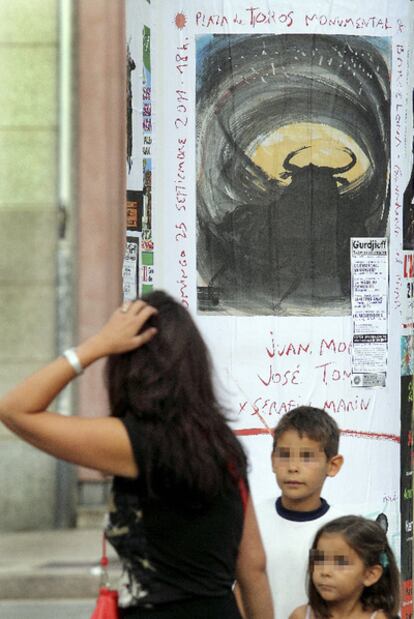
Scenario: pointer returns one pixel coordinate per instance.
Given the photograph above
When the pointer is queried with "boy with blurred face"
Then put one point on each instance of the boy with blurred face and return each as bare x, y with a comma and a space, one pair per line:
304, 454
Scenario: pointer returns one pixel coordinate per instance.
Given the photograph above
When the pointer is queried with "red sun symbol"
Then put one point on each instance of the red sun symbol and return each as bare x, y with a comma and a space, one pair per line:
180, 21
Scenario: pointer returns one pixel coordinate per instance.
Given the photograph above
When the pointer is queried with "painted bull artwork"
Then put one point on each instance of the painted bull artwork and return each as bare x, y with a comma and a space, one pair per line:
271, 235
303, 176
290, 166
310, 208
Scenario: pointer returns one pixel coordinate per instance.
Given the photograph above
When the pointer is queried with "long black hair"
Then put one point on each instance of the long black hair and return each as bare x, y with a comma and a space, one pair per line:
369, 541
188, 448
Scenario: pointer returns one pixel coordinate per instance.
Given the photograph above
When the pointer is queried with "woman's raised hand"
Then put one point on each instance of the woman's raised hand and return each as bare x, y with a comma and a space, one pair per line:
124, 330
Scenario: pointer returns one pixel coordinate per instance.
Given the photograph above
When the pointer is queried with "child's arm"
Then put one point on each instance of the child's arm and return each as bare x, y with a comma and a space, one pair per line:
299, 613
251, 570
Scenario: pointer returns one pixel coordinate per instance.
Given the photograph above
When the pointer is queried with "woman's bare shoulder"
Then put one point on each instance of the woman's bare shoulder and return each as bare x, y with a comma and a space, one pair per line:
299, 612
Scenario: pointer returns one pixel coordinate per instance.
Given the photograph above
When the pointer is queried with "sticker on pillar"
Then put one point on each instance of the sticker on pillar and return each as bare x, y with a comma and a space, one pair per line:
280, 195
134, 135
407, 294
134, 210
147, 244
147, 269
369, 277
408, 206
147, 204
131, 66
407, 355
146, 92
130, 269
147, 284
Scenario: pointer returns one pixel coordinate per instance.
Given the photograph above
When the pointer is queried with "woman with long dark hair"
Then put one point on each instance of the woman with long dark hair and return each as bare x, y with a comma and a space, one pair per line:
181, 518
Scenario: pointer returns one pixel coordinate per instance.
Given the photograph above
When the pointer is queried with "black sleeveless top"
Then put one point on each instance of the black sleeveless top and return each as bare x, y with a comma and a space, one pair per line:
170, 553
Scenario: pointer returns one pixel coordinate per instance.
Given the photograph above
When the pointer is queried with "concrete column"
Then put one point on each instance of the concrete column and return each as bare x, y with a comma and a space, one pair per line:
100, 161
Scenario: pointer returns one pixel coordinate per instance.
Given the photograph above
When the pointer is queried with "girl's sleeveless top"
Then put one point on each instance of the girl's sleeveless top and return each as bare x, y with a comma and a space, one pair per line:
171, 553
308, 613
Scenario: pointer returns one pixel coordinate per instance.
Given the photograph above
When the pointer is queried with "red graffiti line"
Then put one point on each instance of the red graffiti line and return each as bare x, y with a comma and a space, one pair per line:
253, 431
375, 435
356, 433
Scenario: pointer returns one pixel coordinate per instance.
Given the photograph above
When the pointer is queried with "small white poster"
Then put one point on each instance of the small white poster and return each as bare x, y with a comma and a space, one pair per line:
369, 273
130, 268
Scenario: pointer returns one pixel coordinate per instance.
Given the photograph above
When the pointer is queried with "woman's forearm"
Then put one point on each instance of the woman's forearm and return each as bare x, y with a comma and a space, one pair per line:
35, 393
251, 570
99, 443
256, 597
122, 333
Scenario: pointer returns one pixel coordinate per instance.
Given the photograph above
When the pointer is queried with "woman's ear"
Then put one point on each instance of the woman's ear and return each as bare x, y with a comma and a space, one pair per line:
335, 465
372, 575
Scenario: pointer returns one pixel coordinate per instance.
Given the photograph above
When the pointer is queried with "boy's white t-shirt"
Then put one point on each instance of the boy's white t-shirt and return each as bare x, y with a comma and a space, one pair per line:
287, 543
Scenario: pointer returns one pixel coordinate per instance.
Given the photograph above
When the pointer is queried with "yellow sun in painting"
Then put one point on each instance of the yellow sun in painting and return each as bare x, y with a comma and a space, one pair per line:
324, 146
180, 21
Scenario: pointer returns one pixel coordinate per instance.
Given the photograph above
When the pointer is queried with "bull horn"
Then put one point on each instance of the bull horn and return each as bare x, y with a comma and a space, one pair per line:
290, 167
349, 165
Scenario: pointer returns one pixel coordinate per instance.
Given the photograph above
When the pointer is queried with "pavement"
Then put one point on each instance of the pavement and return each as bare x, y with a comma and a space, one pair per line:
62, 564
46, 609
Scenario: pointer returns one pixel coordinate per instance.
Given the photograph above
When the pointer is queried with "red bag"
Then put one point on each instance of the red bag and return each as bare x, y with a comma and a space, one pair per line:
107, 602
